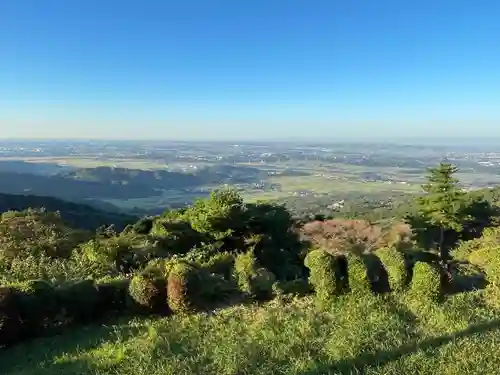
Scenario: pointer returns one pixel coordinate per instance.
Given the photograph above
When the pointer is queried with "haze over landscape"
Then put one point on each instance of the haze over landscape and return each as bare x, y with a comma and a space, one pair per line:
259, 187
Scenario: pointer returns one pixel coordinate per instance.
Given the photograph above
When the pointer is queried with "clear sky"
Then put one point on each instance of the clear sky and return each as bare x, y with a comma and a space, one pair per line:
249, 68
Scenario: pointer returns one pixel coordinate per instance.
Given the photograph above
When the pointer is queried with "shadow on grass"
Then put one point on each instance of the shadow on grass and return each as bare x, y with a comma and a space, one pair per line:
376, 273
466, 278
373, 360
41, 354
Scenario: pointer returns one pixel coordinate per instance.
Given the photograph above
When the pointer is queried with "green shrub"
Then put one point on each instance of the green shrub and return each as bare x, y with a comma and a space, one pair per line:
395, 266
182, 286
485, 257
221, 263
10, 323
79, 301
323, 275
298, 287
148, 293
113, 295
155, 268
56, 270
37, 304
359, 282
488, 259
214, 289
426, 282
253, 280
143, 226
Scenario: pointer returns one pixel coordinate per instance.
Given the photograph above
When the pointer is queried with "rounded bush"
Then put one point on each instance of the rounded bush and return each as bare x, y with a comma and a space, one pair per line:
221, 263
395, 266
79, 301
113, 295
488, 258
426, 282
37, 306
214, 289
253, 280
182, 286
10, 323
359, 282
143, 226
299, 287
323, 275
148, 293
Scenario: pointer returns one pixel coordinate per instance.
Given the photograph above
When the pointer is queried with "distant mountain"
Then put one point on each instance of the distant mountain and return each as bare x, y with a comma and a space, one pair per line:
78, 215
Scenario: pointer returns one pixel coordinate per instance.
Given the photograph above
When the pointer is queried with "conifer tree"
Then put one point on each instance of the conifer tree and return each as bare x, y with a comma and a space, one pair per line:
442, 206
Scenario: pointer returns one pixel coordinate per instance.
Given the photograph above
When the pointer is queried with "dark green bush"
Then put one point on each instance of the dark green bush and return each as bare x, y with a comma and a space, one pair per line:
426, 282
221, 264
253, 280
214, 289
148, 293
143, 226
10, 322
323, 275
359, 282
113, 295
395, 266
79, 301
182, 285
298, 287
37, 303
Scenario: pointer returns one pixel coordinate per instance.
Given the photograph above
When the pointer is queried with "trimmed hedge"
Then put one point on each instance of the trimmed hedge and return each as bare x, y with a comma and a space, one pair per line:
220, 263
113, 295
148, 293
395, 265
426, 282
182, 284
359, 282
79, 301
253, 280
10, 323
37, 305
323, 275
488, 258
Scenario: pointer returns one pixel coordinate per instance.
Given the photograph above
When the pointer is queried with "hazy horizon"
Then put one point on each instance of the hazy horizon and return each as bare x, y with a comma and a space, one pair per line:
267, 69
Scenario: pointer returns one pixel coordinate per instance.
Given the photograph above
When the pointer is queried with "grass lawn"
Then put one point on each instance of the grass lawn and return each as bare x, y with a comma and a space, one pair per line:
371, 335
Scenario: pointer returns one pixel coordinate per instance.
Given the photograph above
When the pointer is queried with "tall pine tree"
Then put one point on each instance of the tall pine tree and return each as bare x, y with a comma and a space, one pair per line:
441, 208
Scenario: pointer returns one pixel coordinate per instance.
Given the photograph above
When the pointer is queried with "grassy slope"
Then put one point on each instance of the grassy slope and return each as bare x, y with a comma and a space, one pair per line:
370, 336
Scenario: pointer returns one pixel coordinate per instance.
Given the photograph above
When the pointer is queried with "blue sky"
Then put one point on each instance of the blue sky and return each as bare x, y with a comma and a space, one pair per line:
249, 69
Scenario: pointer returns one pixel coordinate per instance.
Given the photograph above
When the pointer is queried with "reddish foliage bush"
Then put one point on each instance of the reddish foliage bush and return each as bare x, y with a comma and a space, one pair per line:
181, 286
356, 236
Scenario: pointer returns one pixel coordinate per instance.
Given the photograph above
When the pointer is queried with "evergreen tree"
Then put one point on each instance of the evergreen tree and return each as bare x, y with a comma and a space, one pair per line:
441, 209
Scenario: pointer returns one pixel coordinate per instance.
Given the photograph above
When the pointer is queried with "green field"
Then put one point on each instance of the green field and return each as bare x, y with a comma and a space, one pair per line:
374, 335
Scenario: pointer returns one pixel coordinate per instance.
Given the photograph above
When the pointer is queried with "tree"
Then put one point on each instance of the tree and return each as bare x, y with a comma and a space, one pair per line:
441, 214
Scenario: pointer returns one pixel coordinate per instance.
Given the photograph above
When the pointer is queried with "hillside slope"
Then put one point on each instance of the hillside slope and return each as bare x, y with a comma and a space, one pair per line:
78, 215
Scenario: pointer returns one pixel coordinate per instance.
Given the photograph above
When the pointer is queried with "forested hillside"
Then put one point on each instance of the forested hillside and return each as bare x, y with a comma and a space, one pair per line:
78, 215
